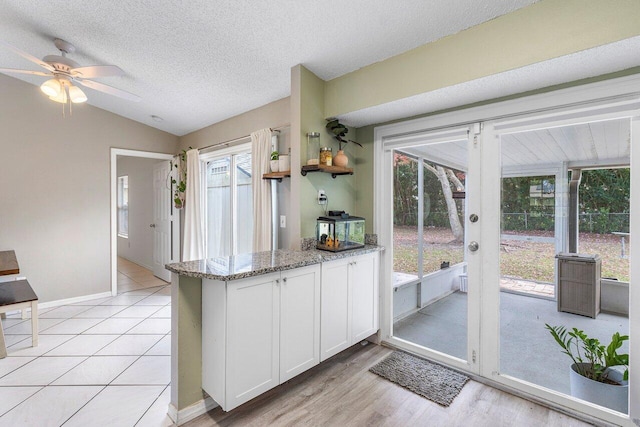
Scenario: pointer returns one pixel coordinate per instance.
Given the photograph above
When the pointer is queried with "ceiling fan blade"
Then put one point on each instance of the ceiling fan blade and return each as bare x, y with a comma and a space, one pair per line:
35, 73
97, 71
25, 55
101, 87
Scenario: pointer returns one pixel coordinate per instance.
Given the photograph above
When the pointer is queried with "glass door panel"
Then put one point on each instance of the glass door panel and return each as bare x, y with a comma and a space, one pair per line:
556, 230
430, 282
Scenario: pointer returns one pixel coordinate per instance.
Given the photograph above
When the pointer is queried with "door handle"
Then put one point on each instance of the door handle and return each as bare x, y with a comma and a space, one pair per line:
473, 246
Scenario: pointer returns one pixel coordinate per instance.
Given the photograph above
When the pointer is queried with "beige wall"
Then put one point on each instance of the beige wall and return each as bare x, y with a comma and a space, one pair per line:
272, 115
55, 198
545, 30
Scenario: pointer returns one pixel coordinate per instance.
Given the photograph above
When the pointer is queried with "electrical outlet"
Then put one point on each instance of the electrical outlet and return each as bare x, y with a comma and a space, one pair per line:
283, 221
322, 197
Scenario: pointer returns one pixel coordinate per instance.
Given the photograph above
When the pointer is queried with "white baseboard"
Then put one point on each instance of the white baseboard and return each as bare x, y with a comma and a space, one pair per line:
73, 300
66, 301
190, 412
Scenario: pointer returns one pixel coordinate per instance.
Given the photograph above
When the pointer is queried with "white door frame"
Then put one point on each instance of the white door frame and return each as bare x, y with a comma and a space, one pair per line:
115, 152
603, 100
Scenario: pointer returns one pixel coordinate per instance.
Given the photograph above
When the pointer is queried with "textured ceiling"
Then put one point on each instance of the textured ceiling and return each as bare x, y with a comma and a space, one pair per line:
199, 62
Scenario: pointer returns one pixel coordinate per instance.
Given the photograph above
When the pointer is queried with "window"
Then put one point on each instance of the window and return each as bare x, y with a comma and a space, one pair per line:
123, 206
229, 202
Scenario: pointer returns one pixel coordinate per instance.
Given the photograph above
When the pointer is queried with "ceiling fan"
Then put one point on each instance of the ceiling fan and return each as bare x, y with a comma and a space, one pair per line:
65, 72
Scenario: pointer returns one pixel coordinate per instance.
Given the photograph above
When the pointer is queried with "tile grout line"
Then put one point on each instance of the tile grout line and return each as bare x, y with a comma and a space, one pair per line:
158, 291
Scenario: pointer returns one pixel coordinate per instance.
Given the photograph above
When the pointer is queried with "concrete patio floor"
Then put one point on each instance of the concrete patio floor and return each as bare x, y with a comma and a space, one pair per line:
527, 350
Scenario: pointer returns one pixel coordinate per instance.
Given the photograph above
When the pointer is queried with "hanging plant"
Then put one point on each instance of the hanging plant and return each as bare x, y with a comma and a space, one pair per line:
179, 185
339, 131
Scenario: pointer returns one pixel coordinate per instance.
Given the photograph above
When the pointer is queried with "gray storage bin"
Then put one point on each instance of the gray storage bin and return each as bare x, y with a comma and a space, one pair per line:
578, 288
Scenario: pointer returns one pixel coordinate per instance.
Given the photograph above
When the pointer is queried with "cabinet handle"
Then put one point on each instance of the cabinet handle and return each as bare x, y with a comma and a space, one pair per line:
277, 281
284, 280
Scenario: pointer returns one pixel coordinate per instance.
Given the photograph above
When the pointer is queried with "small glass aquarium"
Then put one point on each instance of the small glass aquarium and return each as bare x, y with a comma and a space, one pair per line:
339, 232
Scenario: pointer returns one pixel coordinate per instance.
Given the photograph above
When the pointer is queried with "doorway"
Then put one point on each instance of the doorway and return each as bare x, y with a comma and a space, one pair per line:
145, 224
543, 178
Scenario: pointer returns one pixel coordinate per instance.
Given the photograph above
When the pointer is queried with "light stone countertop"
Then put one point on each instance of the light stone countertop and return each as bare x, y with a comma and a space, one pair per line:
254, 264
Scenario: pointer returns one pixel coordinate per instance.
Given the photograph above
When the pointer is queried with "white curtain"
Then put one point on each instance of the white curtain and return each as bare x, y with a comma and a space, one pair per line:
260, 155
193, 211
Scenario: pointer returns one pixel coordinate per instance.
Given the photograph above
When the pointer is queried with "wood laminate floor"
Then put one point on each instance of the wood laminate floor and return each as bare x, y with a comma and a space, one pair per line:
342, 392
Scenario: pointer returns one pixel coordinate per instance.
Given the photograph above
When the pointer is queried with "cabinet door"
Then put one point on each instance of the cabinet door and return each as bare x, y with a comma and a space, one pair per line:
363, 276
299, 321
335, 313
252, 338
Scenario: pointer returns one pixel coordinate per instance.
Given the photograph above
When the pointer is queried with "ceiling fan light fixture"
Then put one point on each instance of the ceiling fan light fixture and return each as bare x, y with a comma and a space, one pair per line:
77, 95
51, 88
61, 98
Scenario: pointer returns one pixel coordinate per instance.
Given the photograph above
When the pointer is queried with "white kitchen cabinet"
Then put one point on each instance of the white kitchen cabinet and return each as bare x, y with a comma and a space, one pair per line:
349, 298
299, 321
335, 314
364, 296
258, 332
253, 318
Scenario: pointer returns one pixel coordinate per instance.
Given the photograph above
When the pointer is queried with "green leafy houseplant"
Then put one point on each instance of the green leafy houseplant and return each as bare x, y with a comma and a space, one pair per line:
275, 155
589, 356
339, 131
180, 184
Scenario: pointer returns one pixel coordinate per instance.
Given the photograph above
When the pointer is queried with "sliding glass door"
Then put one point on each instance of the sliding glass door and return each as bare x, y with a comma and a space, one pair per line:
229, 202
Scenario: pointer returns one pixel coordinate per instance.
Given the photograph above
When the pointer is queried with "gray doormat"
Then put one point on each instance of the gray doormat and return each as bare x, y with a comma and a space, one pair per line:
435, 382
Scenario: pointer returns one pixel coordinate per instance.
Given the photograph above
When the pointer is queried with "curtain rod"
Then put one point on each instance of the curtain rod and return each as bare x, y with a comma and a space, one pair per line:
232, 141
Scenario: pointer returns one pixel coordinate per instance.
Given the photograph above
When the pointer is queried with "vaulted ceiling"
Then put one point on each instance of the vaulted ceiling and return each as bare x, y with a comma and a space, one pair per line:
199, 62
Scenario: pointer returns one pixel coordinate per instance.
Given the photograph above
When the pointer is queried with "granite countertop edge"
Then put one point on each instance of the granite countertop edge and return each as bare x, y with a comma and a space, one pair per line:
297, 260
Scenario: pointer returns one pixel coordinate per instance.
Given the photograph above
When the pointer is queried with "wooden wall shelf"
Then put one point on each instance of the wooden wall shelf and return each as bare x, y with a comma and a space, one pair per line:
277, 175
333, 170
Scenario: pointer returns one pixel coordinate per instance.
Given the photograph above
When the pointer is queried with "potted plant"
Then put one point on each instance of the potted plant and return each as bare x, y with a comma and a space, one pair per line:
339, 131
274, 161
598, 374
179, 184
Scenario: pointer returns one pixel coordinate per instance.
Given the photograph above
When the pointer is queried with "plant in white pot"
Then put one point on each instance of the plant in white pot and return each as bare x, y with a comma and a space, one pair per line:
273, 163
598, 374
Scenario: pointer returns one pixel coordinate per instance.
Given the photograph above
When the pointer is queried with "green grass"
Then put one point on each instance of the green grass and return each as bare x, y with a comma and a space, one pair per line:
519, 259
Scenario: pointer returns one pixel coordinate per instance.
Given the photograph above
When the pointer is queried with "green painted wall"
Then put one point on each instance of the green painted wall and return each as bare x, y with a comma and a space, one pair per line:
340, 191
363, 172
545, 30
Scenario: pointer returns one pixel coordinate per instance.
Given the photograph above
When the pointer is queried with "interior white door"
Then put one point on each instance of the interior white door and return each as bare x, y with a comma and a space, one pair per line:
162, 217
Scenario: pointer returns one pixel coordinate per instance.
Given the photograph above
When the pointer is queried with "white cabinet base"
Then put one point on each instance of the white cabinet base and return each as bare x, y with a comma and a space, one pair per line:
258, 332
350, 302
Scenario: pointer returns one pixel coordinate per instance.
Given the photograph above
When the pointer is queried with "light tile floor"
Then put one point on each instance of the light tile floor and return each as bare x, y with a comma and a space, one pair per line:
104, 362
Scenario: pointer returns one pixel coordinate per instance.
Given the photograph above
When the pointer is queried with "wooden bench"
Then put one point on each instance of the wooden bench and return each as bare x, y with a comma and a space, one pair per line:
18, 295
